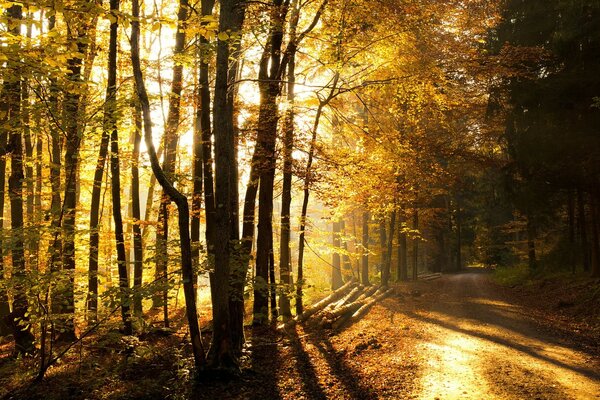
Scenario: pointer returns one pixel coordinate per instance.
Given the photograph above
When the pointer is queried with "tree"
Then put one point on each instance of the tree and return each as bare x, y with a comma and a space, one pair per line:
17, 319
222, 354
179, 199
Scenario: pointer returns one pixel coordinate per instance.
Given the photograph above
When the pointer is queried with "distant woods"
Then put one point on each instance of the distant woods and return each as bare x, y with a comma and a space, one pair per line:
256, 153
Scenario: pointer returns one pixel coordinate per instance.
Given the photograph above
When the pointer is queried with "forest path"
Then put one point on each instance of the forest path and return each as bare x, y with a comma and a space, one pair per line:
457, 337
483, 346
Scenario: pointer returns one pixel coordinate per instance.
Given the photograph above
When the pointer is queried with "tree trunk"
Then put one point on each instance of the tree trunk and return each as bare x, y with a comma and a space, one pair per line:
179, 199
531, 234
222, 354
92, 301
272, 281
458, 234
110, 123
286, 194
346, 263
571, 228
402, 270
136, 213
387, 267
382, 246
365, 245
306, 190
17, 319
202, 134
595, 235
336, 264
415, 268
31, 259
73, 134
4, 304
171, 141
583, 230
268, 118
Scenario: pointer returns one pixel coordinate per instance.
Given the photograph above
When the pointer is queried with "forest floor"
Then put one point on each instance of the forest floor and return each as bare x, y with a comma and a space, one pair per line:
458, 337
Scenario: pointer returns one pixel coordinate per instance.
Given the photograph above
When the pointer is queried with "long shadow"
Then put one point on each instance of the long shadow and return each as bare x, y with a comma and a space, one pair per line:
265, 363
504, 342
345, 374
310, 380
470, 309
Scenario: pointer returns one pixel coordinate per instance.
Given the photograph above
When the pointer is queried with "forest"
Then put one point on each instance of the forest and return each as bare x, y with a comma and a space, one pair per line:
299, 199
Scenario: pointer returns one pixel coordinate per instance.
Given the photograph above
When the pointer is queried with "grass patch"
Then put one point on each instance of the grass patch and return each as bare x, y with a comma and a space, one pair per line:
512, 276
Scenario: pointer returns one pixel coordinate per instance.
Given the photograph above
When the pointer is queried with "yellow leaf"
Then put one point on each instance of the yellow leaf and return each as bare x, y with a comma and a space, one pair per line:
223, 36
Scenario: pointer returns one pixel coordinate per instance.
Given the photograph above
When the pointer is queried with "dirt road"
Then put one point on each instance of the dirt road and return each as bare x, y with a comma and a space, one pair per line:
458, 337
482, 346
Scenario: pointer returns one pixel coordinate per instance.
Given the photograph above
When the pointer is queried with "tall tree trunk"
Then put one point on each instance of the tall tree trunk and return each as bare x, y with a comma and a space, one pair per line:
55, 172
415, 268
72, 103
272, 281
56, 207
138, 245
92, 301
4, 305
179, 199
17, 319
306, 189
222, 354
110, 123
336, 264
531, 235
402, 272
583, 234
31, 258
458, 233
387, 266
268, 118
365, 245
346, 263
285, 259
356, 245
286, 194
171, 141
595, 247
571, 229
382, 246
202, 174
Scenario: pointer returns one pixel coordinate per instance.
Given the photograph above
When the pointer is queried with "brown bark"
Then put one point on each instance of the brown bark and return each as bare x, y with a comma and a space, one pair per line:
171, 142
365, 245
402, 266
179, 199
92, 301
110, 119
222, 354
595, 247
387, 267
73, 126
202, 133
285, 264
17, 319
415, 267
531, 235
268, 118
4, 304
583, 232
336, 264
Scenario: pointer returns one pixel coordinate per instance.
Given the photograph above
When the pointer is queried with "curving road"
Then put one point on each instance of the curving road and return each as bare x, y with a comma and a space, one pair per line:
480, 345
